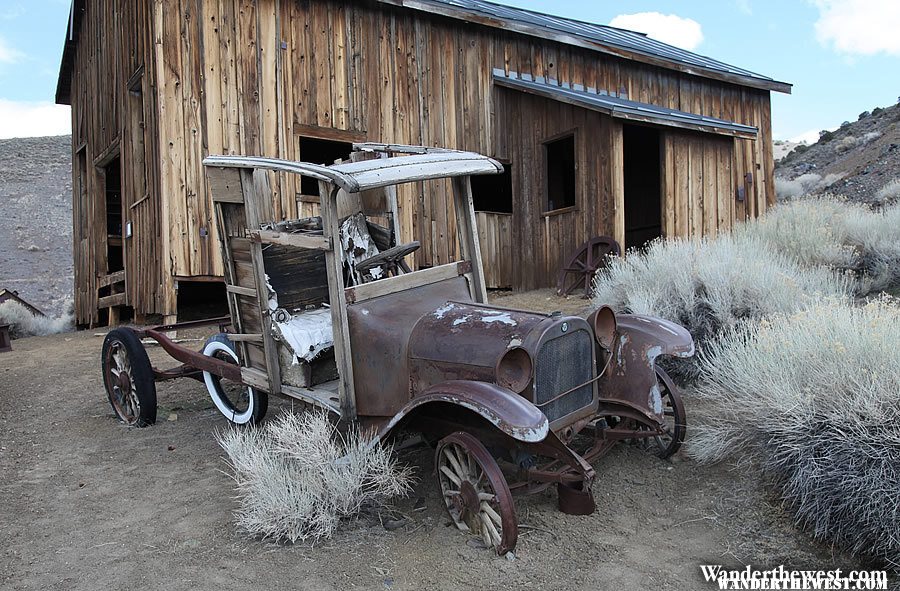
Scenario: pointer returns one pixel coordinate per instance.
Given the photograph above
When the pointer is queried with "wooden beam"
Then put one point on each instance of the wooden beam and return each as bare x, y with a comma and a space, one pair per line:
245, 338
109, 154
295, 240
337, 298
376, 289
258, 200
110, 301
107, 280
328, 133
469, 248
315, 396
242, 291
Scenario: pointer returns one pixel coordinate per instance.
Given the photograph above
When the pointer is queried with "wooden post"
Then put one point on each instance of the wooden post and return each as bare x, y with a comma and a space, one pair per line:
328, 198
258, 209
469, 247
617, 170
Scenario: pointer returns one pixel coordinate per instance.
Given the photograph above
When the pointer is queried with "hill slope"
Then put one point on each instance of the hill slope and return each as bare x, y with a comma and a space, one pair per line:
857, 160
36, 220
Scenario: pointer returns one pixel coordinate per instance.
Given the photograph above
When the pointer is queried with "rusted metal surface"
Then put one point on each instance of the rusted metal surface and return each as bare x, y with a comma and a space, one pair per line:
503, 409
194, 359
630, 384
584, 264
380, 329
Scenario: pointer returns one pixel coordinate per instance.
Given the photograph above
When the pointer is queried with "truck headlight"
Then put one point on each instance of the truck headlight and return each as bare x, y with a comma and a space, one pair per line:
514, 370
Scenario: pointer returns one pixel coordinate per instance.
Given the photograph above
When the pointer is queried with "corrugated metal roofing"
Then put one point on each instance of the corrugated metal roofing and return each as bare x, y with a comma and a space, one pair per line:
585, 33
620, 107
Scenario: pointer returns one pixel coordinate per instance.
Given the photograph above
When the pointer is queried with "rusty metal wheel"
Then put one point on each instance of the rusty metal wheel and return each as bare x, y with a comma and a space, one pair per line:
666, 445
128, 378
475, 492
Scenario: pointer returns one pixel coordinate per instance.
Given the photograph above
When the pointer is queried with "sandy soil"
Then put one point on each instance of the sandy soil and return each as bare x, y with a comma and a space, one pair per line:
86, 503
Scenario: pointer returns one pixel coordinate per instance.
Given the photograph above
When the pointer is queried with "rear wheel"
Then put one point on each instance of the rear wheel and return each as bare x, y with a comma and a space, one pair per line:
238, 403
128, 378
475, 492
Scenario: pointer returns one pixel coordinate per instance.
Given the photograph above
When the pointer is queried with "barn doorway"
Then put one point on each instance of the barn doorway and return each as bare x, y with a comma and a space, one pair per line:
643, 189
115, 260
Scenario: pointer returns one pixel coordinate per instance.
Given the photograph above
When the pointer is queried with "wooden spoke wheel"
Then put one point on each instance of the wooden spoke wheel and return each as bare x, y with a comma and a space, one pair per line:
584, 264
475, 492
128, 378
675, 427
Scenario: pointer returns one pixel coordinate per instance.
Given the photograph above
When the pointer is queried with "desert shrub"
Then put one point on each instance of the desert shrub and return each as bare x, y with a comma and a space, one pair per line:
825, 136
889, 193
877, 111
847, 143
25, 324
709, 285
811, 398
863, 115
827, 231
298, 478
787, 188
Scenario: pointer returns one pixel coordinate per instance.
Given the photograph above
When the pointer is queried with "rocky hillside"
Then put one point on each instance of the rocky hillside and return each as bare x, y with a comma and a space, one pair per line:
36, 220
860, 160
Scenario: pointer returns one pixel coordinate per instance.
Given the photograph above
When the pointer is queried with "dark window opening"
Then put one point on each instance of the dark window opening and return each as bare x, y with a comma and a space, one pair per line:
493, 192
113, 189
643, 195
201, 299
561, 173
318, 151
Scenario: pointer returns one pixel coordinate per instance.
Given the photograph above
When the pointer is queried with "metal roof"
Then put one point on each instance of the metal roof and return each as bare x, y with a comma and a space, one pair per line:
621, 42
619, 107
354, 177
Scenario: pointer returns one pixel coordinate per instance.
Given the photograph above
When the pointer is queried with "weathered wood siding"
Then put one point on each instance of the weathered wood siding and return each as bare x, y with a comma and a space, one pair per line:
251, 76
246, 76
114, 44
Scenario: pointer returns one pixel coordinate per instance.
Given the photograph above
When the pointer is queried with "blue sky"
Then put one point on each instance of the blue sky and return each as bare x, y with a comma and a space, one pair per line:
843, 56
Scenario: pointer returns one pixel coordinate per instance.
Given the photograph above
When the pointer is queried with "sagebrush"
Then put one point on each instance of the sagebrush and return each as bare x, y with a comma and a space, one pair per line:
812, 398
25, 324
298, 478
711, 284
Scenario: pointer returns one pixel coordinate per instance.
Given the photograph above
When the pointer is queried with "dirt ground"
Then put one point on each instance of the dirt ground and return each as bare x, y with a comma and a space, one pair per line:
86, 503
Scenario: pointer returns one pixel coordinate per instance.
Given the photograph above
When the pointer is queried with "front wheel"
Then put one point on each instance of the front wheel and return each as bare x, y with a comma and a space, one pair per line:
475, 492
128, 378
238, 403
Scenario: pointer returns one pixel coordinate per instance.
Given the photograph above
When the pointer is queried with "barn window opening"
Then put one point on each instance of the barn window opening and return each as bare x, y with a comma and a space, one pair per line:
113, 188
560, 173
493, 192
319, 151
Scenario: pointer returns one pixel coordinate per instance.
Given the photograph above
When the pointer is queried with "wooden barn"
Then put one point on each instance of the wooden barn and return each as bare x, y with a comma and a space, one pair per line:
603, 131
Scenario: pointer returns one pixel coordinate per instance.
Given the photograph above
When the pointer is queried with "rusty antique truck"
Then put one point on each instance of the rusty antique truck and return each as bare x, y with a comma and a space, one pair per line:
327, 311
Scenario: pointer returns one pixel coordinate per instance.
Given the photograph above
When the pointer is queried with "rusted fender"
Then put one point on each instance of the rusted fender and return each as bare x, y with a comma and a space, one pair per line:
660, 337
503, 408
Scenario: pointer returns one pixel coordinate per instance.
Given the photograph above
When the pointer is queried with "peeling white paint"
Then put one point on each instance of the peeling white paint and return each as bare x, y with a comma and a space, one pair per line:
653, 353
443, 311
515, 343
272, 296
655, 399
462, 320
307, 334
503, 317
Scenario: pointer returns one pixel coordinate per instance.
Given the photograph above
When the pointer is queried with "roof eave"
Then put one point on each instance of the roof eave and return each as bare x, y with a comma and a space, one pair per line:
561, 37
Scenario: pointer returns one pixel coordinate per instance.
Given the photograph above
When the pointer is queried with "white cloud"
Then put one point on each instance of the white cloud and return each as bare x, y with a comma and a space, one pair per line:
744, 7
668, 28
807, 137
859, 27
18, 119
8, 55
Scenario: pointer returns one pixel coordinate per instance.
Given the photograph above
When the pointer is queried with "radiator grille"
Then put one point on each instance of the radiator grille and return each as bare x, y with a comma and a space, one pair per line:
562, 364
